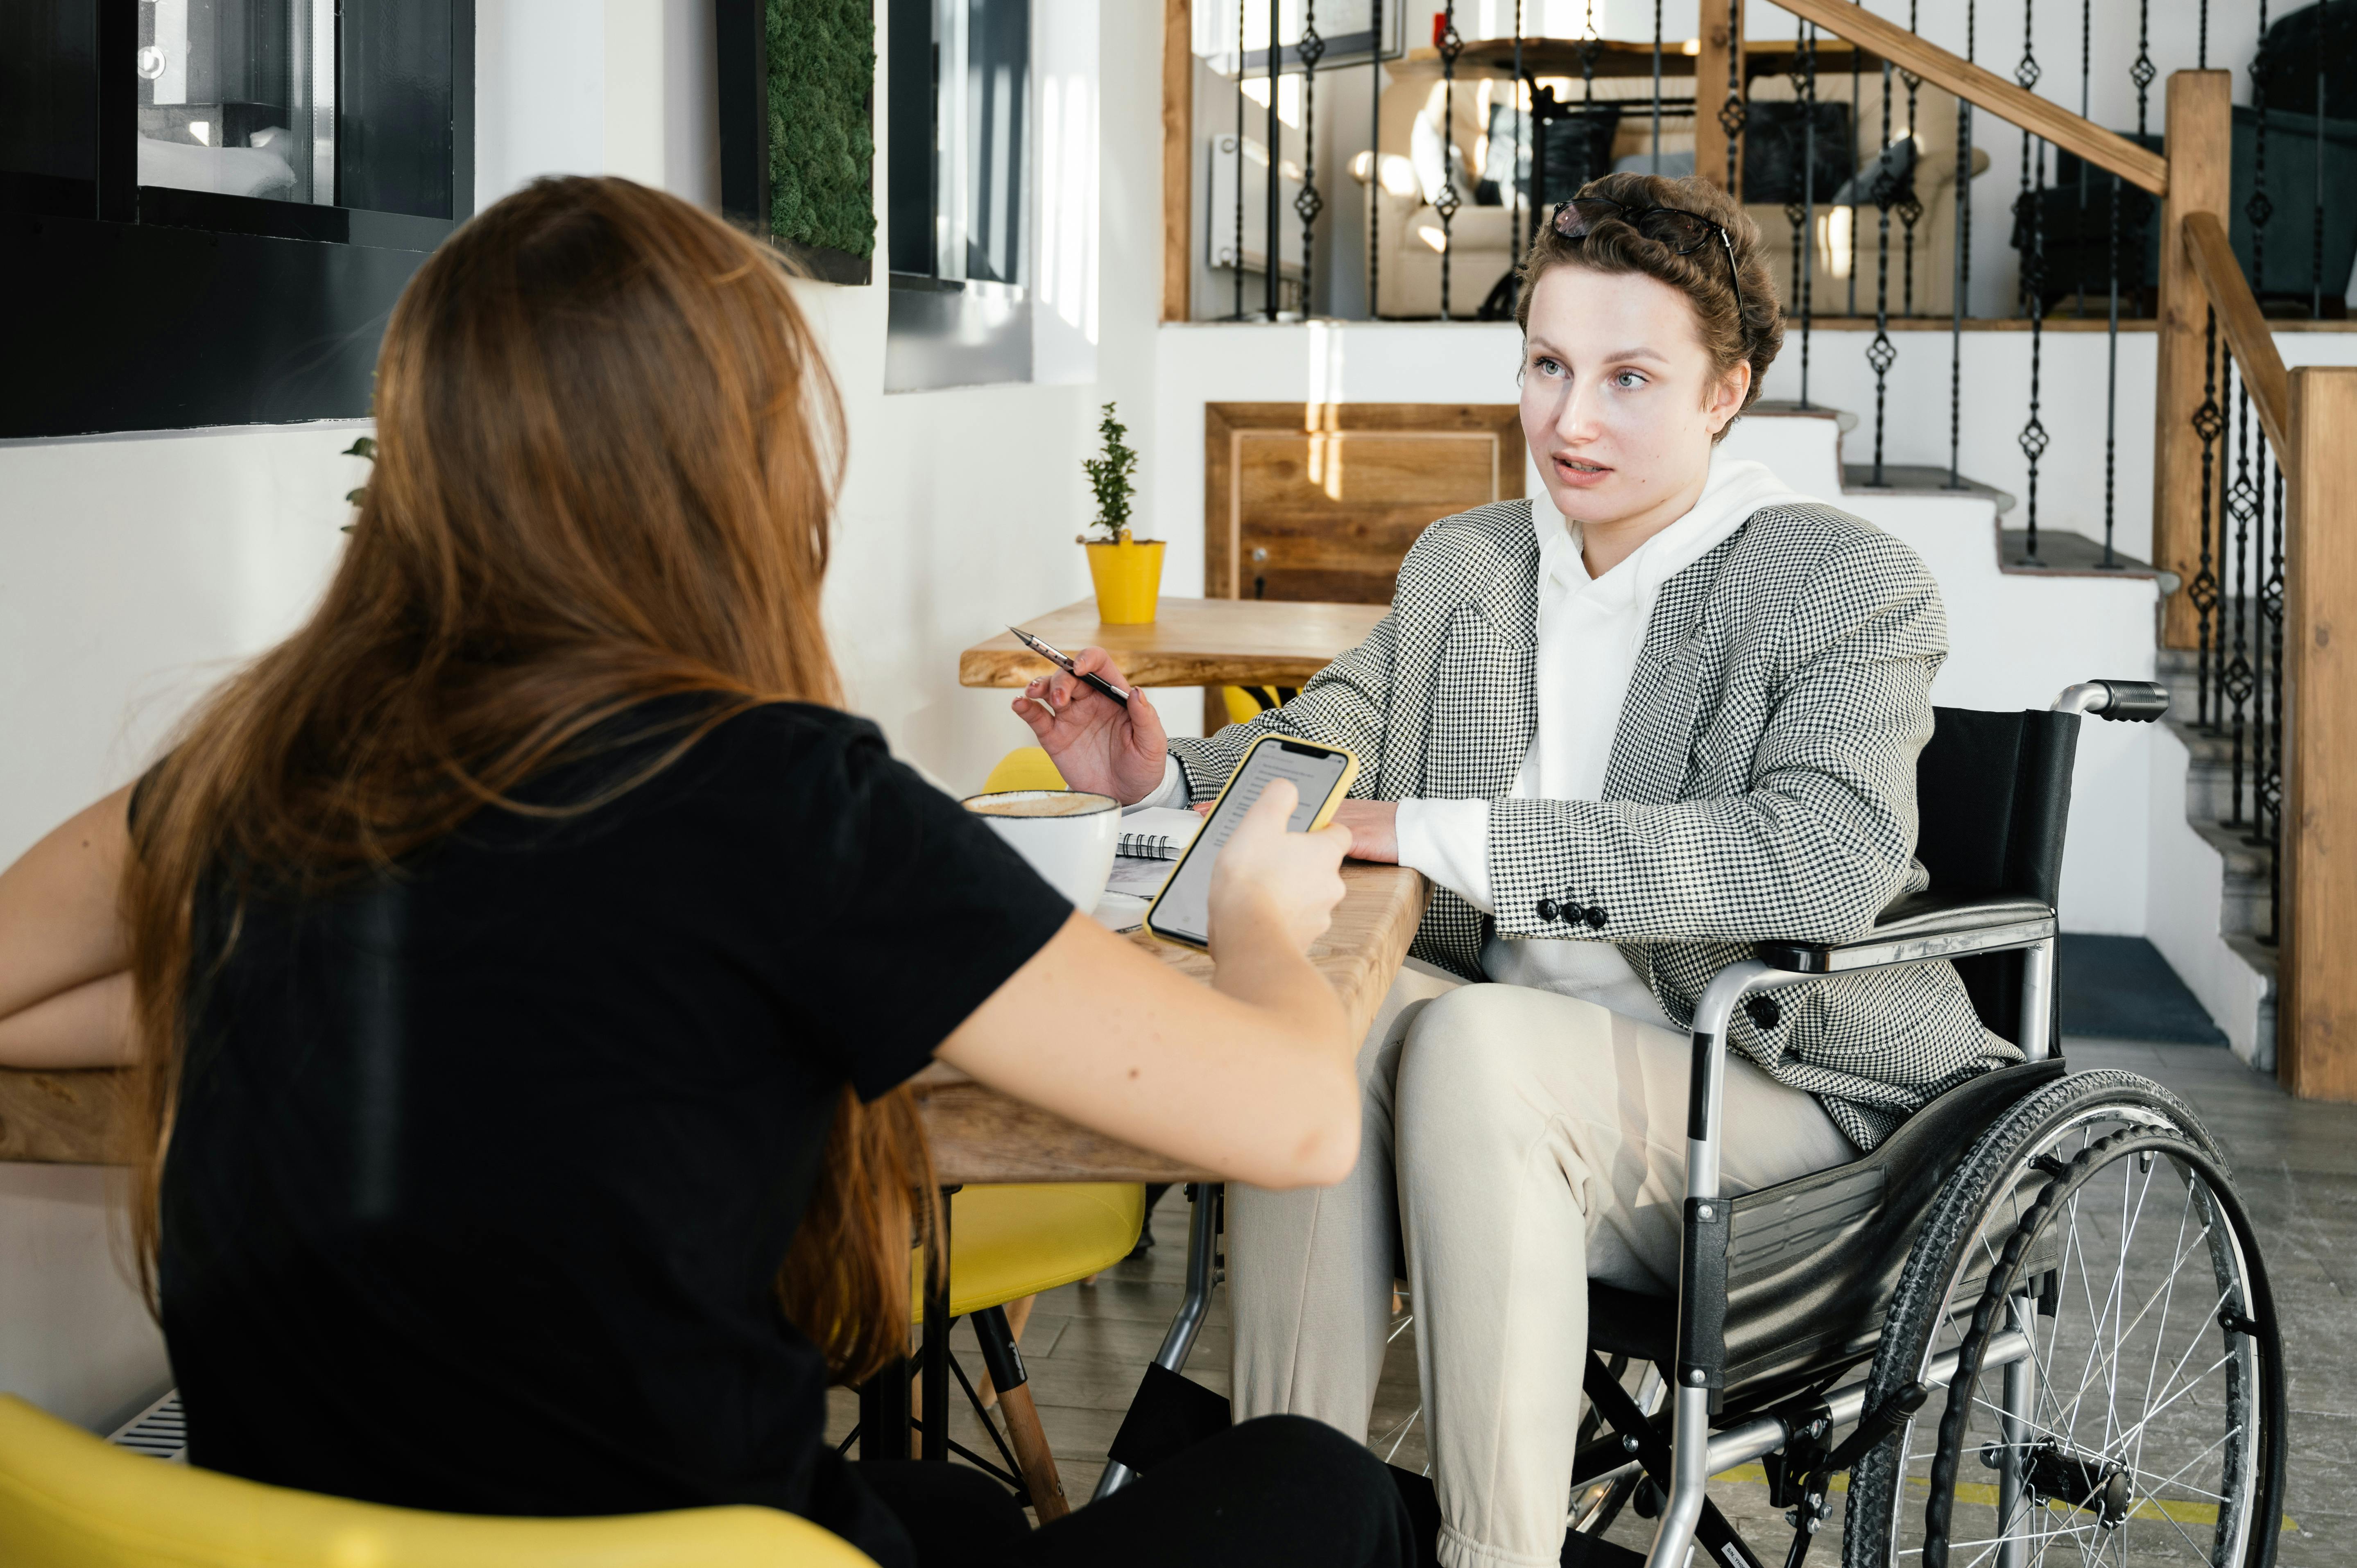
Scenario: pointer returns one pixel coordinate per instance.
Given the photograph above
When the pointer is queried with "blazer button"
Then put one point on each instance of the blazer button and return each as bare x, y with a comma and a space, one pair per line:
1763, 1011
1596, 917
1548, 908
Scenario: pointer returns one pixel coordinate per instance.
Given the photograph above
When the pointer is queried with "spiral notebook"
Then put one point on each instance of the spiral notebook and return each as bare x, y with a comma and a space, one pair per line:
1148, 850
1159, 832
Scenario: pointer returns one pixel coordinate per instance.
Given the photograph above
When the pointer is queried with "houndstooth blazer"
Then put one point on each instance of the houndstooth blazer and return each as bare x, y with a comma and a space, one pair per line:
1761, 783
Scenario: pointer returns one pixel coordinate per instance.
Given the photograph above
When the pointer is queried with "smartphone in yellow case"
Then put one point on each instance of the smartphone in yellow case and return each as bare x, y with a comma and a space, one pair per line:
1320, 775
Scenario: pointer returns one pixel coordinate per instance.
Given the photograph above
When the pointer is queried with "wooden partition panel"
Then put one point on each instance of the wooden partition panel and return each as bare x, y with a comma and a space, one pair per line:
1322, 500
2315, 1011
2200, 127
1178, 157
1722, 39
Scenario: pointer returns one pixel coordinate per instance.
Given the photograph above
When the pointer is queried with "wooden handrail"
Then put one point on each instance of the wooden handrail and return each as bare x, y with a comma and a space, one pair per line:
2253, 347
1987, 90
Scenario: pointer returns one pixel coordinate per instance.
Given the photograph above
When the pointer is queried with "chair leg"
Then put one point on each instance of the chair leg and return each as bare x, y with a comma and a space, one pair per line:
1018, 1313
1203, 1274
1032, 1458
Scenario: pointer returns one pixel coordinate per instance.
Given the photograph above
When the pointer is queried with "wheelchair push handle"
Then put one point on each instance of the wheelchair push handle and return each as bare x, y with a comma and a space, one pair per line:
2130, 702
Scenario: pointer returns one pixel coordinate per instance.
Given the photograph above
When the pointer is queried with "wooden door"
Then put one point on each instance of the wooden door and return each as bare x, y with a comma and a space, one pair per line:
1320, 501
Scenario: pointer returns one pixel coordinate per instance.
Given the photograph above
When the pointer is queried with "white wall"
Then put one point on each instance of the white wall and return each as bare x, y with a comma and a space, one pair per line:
133, 573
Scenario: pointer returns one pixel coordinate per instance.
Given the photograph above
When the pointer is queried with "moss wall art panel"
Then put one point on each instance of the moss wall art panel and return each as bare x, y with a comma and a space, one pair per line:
821, 136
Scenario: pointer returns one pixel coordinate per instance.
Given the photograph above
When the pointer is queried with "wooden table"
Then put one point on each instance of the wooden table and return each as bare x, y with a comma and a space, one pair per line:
1193, 642
978, 1135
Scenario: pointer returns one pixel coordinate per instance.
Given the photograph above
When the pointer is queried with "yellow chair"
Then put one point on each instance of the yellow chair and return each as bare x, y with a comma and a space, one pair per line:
1007, 1242
1025, 768
1007, 1245
69, 1501
1245, 704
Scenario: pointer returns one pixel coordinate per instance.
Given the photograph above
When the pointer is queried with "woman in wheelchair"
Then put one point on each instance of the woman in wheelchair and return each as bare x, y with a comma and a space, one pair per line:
1671, 712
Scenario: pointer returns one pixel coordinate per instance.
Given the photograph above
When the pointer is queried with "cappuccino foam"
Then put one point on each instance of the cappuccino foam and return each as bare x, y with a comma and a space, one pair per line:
1038, 803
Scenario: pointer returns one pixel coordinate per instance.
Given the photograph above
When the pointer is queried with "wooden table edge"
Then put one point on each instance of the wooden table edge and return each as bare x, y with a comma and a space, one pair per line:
75, 1116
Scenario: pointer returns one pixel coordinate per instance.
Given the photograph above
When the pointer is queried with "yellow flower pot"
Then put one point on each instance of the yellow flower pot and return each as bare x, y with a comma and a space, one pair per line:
1128, 578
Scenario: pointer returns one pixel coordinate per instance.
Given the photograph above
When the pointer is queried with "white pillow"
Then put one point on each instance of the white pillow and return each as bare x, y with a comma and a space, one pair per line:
229, 171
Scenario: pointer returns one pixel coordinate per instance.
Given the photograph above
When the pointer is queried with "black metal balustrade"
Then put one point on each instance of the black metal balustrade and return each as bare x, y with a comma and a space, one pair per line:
2029, 238
1732, 114
2208, 423
1307, 204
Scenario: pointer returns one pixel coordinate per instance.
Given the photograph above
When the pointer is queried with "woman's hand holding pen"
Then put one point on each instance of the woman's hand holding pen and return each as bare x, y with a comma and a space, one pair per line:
1096, 743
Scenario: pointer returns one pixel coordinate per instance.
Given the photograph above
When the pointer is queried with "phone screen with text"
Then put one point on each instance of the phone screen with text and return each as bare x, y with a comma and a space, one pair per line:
1185, 909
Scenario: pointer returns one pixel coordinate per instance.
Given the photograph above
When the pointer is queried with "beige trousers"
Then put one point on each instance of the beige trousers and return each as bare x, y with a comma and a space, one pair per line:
1521, 1142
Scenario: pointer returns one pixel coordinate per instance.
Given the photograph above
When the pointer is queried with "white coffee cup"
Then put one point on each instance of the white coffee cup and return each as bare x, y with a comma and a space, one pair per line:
1068, 835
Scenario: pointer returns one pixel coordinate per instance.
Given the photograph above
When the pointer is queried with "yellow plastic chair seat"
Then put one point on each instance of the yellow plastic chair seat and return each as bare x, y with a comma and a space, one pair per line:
1011, 1241
1025, 768
69, 1501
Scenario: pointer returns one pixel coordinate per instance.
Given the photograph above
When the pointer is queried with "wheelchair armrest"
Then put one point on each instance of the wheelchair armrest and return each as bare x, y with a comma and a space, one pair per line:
1918, 927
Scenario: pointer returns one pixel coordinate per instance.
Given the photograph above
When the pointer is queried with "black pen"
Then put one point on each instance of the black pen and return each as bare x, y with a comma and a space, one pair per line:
1057, 656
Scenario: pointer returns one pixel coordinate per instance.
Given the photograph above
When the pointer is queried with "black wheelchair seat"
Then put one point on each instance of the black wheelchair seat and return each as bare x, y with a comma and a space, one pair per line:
1812, 1262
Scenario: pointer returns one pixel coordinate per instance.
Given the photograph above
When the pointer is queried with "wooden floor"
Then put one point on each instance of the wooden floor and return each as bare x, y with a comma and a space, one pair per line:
2295, 1161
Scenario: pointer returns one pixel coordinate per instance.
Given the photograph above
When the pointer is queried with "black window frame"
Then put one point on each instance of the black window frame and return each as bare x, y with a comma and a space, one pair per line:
177, 309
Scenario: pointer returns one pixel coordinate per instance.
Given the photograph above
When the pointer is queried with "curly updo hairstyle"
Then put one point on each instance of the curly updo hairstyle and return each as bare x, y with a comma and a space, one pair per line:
1730, 336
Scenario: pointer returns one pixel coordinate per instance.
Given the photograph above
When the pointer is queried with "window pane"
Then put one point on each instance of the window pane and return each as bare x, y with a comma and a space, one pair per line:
48, 78
998, 89
227, 100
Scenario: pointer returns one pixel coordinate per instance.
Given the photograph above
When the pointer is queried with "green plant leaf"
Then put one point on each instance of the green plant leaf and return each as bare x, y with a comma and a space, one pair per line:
363, 448
1109, 478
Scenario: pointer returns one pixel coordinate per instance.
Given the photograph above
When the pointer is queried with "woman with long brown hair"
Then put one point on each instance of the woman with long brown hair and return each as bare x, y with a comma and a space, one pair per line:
514, 961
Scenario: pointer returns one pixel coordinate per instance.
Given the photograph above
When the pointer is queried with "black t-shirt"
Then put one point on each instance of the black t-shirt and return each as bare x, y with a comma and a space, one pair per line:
482, 1173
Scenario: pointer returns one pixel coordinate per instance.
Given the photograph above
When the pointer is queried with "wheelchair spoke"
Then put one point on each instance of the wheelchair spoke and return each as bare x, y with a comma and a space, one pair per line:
2194, 1344
2120, 1327
2095, 1315
2179, 1394
2176, 1267
1399, 1434
2160, 1334
2172, 1479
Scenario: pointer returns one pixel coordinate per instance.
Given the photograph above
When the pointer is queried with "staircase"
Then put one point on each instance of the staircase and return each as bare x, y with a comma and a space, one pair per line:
2147, 850
2162, 865
2017, 634
2211, 915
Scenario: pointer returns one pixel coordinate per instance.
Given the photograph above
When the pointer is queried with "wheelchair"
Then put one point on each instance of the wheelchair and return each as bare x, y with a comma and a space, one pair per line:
2033, 1320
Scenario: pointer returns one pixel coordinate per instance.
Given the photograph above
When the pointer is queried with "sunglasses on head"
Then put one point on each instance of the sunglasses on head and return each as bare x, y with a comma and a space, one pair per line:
1681, 231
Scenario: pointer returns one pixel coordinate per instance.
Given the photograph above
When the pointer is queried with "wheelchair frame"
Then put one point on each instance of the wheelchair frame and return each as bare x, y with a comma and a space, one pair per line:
1965, 929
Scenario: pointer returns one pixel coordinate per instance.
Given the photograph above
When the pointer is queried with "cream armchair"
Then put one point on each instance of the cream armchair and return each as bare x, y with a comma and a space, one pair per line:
1409, 239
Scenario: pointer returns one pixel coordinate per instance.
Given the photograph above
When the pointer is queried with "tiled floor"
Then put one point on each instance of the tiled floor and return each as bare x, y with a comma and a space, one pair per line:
2296, 1162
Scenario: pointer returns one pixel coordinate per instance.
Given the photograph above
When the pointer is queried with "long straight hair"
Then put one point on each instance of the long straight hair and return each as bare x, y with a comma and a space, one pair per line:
607, 452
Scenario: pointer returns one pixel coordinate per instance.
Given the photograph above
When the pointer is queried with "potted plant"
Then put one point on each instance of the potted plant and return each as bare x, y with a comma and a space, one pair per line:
1127, 572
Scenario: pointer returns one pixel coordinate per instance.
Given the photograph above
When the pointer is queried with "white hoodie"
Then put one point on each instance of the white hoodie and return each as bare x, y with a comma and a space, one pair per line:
1588, 632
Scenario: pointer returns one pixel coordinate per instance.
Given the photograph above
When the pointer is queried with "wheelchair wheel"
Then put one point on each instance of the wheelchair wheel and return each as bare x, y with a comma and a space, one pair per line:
2086, 1306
